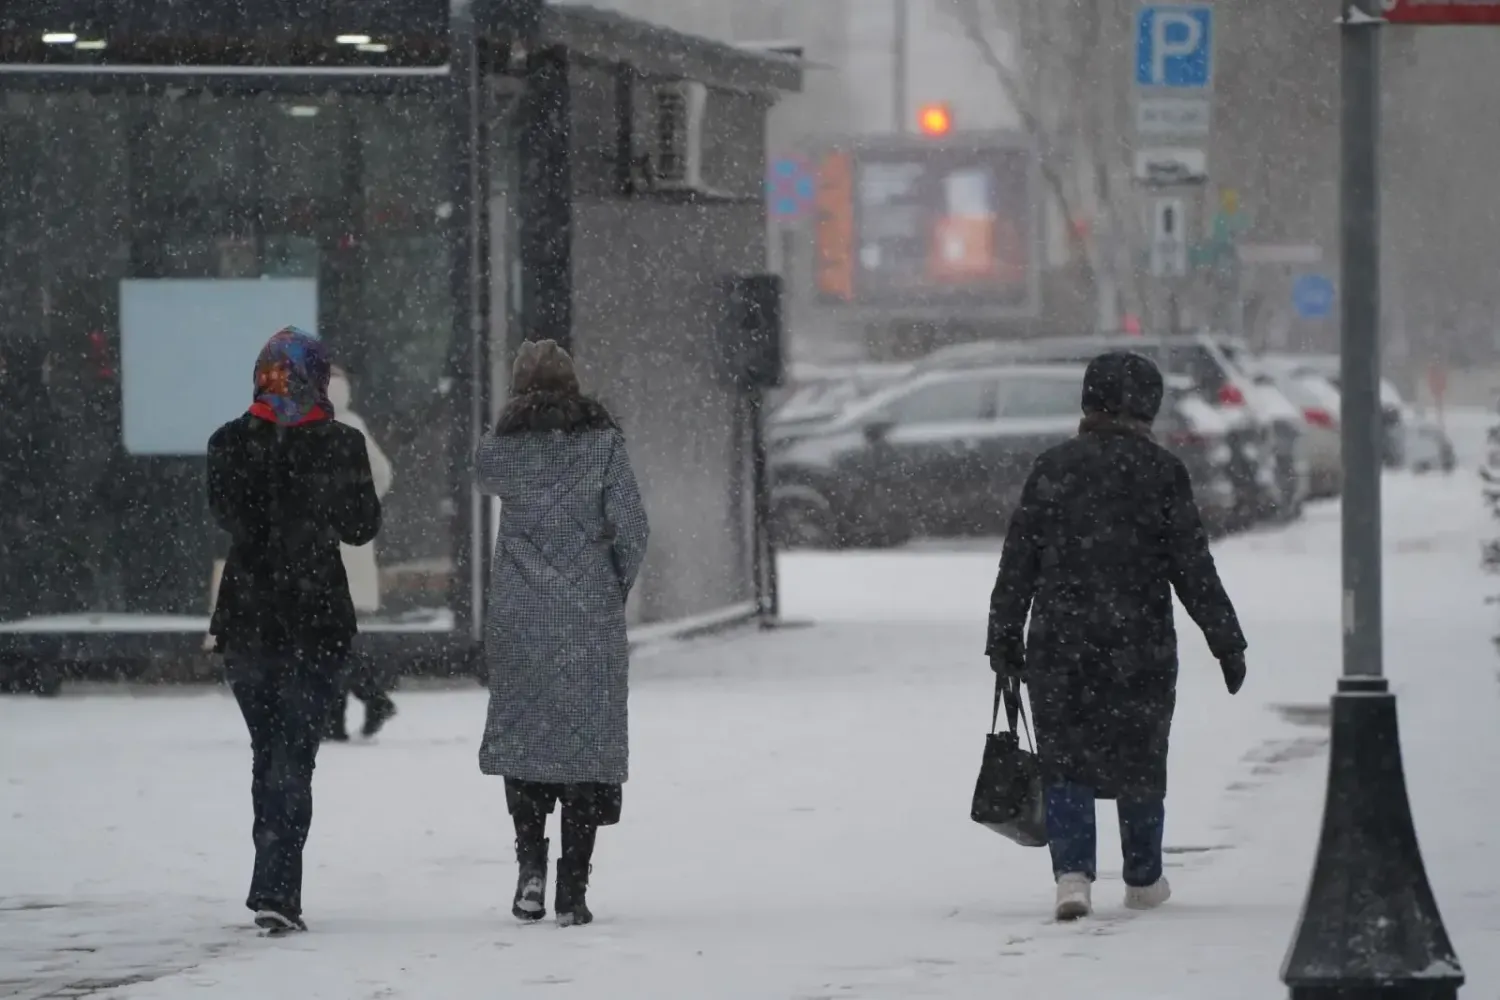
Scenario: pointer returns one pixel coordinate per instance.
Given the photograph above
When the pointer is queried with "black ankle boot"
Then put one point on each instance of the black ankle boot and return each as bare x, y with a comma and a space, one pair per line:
572, 887
530, 903
378, 712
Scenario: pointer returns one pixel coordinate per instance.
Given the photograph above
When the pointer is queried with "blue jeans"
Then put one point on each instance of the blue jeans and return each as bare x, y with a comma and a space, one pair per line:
285, 704
1074, 839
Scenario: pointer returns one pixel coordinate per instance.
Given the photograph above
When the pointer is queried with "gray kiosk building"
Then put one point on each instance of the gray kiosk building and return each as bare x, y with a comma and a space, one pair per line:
424, 183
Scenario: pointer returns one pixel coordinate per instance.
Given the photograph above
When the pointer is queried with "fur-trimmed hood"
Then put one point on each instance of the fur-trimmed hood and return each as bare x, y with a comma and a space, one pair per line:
570, 413
1111, 423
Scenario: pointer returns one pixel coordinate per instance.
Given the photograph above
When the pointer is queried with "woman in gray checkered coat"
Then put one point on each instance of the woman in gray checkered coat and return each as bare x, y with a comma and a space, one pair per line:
572, 536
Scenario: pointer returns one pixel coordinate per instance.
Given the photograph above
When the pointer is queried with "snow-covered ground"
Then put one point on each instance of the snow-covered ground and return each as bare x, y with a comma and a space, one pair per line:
796, 826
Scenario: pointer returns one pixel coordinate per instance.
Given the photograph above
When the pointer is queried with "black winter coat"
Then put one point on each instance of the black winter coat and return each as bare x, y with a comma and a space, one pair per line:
288, 496
1106, 529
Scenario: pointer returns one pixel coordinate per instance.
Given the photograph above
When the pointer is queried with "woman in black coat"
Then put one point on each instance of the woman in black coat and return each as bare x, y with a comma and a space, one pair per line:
1106, 529
289, 484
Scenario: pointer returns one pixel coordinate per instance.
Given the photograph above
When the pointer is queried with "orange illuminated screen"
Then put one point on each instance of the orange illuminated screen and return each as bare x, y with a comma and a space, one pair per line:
969, 242
835, 228
934, 119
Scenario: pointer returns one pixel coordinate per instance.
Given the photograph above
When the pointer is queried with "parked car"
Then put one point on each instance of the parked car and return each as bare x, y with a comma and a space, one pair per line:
1393, 409
1411, 438
816, 396
1317, 405
1271, 478
1428, 447
1194, 431
947, 452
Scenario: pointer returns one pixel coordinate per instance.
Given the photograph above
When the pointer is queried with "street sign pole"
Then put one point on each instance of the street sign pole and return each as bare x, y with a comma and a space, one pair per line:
1172, 84
1370, 925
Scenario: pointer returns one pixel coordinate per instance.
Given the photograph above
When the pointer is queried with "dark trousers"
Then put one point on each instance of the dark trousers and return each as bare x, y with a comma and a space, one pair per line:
585, 807
284, 702
362, 678
1073, 836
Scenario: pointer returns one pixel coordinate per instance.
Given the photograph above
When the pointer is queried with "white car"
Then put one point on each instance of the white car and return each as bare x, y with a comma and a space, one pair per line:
1412, 440
1318, 404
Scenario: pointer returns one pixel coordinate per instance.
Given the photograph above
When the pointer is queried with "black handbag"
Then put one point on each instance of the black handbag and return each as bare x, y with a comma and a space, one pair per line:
1008, 796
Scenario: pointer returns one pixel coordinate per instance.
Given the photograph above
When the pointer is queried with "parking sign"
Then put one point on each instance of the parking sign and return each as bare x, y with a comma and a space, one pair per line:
1174, 47
1314, 296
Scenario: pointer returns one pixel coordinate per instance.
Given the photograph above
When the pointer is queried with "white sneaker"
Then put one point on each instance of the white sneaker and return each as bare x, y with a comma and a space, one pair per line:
1147, 897
1074, 896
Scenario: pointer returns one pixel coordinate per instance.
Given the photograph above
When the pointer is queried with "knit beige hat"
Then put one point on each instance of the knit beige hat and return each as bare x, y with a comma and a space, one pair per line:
543, 366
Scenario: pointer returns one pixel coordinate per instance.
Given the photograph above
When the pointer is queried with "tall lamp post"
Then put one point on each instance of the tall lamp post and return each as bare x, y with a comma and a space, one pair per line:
1370, 928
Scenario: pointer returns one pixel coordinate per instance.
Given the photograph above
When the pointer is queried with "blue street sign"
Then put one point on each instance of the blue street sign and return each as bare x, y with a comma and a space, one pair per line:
1313, 296
790, 189
1174, 46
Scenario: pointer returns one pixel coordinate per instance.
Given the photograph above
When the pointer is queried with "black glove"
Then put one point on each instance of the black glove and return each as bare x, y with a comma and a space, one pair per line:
1009, 665
1233, 666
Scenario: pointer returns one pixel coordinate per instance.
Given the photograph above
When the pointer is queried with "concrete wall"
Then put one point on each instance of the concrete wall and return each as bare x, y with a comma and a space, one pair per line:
646, 284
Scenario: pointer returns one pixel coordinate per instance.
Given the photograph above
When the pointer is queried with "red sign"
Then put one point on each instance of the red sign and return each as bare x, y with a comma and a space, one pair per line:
835, 230
1442, 11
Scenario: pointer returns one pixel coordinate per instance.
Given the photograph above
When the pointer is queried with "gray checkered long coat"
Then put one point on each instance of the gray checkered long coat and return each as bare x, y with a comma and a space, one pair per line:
572, 536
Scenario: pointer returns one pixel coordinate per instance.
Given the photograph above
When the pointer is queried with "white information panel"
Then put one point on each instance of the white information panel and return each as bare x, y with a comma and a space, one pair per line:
188, 348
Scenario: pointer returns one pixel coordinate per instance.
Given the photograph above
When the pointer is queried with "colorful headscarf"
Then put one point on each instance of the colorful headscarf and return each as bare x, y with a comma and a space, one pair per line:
291, 379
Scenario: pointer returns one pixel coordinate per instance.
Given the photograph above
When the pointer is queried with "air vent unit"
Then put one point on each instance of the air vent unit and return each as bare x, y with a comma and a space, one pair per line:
680, 107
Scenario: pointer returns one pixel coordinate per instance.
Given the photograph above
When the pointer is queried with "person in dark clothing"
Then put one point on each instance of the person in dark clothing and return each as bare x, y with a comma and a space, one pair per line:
27, 438
1106, 529
289, 484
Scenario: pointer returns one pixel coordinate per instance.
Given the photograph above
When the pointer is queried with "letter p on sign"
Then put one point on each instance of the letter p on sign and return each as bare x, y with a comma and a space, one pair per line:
1174, 47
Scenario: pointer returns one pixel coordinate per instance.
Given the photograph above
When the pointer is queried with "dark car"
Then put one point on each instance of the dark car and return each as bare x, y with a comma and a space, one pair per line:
1270, 477
1193, 430
818, 396
947, 452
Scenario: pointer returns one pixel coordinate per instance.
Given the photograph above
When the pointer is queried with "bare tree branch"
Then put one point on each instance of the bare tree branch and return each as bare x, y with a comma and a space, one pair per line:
970, 20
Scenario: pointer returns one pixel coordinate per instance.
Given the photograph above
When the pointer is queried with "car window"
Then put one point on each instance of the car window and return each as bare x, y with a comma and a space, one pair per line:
1037, 398
1319, 391
1198, 363
946, 401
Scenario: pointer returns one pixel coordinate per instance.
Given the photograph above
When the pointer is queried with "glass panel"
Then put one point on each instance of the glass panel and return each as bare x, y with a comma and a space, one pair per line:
340, 194
1043, 398
194, 146
944, 402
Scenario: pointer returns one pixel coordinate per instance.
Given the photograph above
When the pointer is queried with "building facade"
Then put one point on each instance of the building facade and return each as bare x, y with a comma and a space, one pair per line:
424, 185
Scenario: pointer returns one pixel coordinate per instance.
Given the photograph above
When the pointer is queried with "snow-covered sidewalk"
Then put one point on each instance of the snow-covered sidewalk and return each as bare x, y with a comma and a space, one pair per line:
796, 826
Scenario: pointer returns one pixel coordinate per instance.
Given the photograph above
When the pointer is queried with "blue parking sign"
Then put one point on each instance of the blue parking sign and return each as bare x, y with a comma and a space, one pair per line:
1314, 297
1174, 47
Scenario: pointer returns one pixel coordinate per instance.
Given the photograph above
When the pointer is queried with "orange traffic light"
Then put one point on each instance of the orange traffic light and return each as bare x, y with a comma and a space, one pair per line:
935, 119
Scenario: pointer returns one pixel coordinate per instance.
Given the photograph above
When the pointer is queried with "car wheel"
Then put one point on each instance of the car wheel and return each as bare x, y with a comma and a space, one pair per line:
1292, 505
800, 523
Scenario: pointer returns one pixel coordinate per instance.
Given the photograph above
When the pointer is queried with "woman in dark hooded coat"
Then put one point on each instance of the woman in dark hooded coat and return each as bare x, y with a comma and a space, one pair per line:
289, 484
1106, 529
